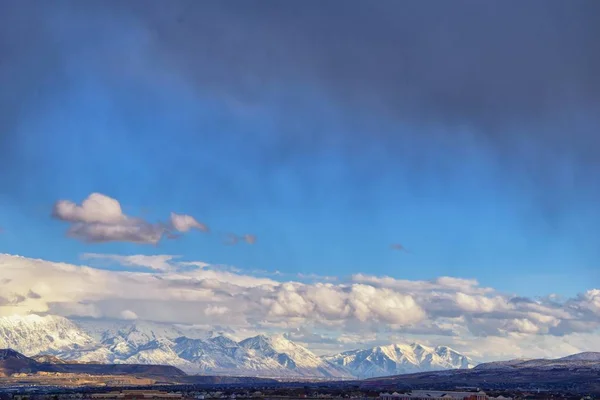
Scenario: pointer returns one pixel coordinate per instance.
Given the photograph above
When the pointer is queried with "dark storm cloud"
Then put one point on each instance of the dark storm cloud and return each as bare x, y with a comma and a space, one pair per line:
463, 61
523, 75
30, 62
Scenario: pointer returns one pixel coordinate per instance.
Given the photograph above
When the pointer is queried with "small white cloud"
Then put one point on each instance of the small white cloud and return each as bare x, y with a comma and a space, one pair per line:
128, 315
250, 239
183, 223
215, 310
100, 218
95, 208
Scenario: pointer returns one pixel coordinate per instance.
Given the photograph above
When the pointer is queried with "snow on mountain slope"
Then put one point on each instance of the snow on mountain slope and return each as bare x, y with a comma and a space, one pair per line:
128, 342
96, 354
453, 358
398, 359
204, 355
223, 355
586, 356
291, 356
151, 343
285, 352
159, 352
33, 334
580, 360
508, 364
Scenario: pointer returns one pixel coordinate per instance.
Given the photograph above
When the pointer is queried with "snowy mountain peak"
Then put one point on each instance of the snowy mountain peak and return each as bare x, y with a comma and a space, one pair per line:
398, 359
420, 347
258, 342
194, 351
265, 343
34, 334
223, 341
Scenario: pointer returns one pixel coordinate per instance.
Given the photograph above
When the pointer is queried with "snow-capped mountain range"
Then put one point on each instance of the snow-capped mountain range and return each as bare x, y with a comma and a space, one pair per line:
397, 359
141, 342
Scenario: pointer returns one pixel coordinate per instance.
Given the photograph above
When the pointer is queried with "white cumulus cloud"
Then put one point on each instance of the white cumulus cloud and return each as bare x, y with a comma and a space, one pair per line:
368, 309
100, 218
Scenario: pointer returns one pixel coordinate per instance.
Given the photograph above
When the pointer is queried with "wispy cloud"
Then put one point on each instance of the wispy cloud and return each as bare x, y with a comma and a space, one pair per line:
250, 239
155, 262
398, 247
232, 239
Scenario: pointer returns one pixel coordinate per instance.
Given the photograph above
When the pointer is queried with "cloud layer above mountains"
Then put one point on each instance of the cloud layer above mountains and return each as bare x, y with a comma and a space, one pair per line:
362, 309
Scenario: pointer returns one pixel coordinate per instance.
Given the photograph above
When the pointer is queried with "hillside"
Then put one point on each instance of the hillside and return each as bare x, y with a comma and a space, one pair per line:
12, 362
581, 360
579, 373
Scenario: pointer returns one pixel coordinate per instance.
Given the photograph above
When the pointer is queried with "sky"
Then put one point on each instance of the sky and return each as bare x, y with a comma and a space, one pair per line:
402, 170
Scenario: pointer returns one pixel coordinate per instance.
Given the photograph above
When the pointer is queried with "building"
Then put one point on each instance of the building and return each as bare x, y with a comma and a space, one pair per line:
434, 395
137, 395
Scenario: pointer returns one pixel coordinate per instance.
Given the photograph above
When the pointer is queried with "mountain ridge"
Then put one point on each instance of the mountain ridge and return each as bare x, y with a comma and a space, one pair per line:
579, 360
397, 359
142, 342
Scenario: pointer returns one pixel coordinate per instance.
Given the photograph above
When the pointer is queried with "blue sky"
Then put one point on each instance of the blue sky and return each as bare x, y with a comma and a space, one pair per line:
329, 137
325, 205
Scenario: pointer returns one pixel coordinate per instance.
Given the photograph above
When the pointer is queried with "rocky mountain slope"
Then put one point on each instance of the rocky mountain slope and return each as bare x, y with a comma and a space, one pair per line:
13, 362
142, 342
